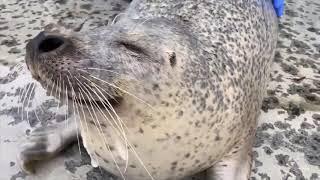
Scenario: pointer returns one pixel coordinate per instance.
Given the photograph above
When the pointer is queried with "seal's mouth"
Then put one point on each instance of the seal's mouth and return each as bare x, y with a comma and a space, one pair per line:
103, 104
75, 94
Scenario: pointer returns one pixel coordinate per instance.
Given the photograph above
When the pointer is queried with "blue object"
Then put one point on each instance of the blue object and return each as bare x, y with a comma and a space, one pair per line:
278, 7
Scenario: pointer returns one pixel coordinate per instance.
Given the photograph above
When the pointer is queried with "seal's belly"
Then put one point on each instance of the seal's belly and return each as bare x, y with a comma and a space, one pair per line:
163, 150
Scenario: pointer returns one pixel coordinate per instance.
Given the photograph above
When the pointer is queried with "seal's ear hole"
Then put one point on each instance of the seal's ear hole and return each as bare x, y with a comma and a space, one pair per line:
172, 58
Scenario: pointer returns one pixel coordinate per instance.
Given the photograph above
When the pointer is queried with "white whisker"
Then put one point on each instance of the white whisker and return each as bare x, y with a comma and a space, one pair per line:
74, 114
133, 150
28, 102
96, 121
114, 86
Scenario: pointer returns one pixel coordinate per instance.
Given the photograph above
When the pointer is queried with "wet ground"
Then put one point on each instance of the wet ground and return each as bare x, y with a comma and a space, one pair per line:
288, 137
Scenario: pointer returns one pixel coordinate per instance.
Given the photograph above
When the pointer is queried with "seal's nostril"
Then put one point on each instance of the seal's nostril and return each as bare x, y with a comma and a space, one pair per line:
50, 44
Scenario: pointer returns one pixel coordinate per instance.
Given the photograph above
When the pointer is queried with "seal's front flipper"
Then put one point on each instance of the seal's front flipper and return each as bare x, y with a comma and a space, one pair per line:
44, 143
235, 166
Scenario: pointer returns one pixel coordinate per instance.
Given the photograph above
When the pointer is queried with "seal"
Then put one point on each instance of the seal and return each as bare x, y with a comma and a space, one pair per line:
171, 89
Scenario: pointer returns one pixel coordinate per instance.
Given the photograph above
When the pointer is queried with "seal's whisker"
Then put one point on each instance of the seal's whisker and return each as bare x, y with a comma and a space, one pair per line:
112, 85
74, 115
40, 105
35, 110
59, 96
52, 87
102, 99
115, 18
24, 96
55, 94
138, 25
95, 120
84, 116
26, 101
77, 105
36, 114
130, 145
109, 105
67, 106
91, 97
80, 84
85, 120
76, 110
21, 96
125, 139
49, 79
119, 126
17, 68
45, 89
110, 95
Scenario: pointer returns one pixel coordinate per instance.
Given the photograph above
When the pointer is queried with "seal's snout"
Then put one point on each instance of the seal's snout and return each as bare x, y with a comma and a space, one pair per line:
42, 48
46, 43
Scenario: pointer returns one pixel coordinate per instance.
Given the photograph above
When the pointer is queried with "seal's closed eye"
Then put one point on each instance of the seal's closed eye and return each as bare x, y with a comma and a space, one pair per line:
132, 47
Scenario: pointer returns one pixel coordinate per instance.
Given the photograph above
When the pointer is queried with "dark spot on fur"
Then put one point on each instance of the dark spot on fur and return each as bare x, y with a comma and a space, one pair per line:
282, 159
172, 59
141, 130
61, 1
111, 148
174, 165
282, 125
270, 103
99, 174
294, 110
217, 138
106, 161
181, 169
86, 6
305, 125
178, 137
289, 69
155, 87
267, 150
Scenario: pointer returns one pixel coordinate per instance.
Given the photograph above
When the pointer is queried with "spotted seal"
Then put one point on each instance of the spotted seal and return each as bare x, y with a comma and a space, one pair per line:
170, 89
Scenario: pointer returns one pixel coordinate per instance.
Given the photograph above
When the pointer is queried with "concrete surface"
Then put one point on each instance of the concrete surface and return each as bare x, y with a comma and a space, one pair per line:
288, 137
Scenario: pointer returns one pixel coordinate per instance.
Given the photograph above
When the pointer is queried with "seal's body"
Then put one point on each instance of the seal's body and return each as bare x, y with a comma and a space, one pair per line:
173, 88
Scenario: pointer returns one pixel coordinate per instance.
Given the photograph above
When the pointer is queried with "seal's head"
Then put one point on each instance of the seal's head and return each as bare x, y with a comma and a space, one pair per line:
129, 58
